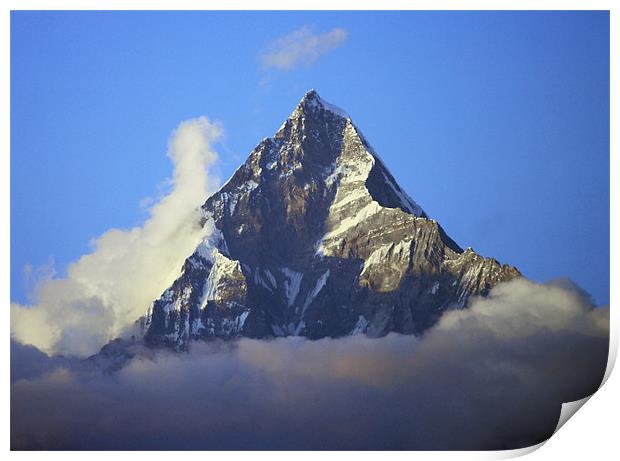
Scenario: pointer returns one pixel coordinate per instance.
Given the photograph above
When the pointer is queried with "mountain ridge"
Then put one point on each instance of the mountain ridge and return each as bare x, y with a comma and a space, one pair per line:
313, 236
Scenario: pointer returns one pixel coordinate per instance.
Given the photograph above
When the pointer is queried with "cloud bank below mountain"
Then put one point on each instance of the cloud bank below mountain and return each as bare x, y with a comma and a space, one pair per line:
489, 377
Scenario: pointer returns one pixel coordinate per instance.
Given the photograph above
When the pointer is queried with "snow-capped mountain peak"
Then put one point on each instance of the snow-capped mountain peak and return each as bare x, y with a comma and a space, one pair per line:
313, 236
314, 104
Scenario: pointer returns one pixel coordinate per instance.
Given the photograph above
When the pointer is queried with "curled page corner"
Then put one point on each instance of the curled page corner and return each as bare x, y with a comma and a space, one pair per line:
568, 410
517, 452
611, 358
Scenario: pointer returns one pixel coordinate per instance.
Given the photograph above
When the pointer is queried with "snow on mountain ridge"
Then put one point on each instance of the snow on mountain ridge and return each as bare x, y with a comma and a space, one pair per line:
312, 99
313, 236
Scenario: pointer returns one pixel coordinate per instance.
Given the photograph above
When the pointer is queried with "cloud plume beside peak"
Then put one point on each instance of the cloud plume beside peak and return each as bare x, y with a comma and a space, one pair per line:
108, 289
301, 47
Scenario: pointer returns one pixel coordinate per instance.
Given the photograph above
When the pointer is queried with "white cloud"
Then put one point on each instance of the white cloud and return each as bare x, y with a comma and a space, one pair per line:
301, 47
108, 289
489, 377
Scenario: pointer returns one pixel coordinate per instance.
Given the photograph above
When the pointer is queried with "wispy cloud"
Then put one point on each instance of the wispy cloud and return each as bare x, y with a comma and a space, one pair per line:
302, 47
107, 290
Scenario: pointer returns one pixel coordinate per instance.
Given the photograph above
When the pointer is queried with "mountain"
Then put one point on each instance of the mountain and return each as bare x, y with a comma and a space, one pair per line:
312, 236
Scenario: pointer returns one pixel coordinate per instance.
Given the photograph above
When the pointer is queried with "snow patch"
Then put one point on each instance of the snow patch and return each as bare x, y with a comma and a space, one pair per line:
242, 191
300, 327
265, 279
197, 325
357, 194
222, 268
407, 202
242, 318
315, 291
278, 331
234, 326
361, 327
333, 173
383, 252
267, 273
214, 241
318, 102
362, 215
292, 283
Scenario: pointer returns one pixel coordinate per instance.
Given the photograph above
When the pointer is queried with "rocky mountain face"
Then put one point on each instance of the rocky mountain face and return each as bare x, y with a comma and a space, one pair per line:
312, 236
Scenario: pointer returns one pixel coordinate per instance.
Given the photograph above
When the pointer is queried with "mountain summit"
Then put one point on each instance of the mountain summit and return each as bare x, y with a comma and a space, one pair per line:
312, 236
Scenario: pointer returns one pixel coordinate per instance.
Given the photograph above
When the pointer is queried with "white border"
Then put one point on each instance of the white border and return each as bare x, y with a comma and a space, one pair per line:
309, 5
593, 434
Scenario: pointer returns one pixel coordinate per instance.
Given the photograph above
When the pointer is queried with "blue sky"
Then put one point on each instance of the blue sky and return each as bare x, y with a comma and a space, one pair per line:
496, 123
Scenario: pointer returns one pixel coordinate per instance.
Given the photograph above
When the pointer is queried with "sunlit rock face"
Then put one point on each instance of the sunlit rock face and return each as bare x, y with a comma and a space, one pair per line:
312, 236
